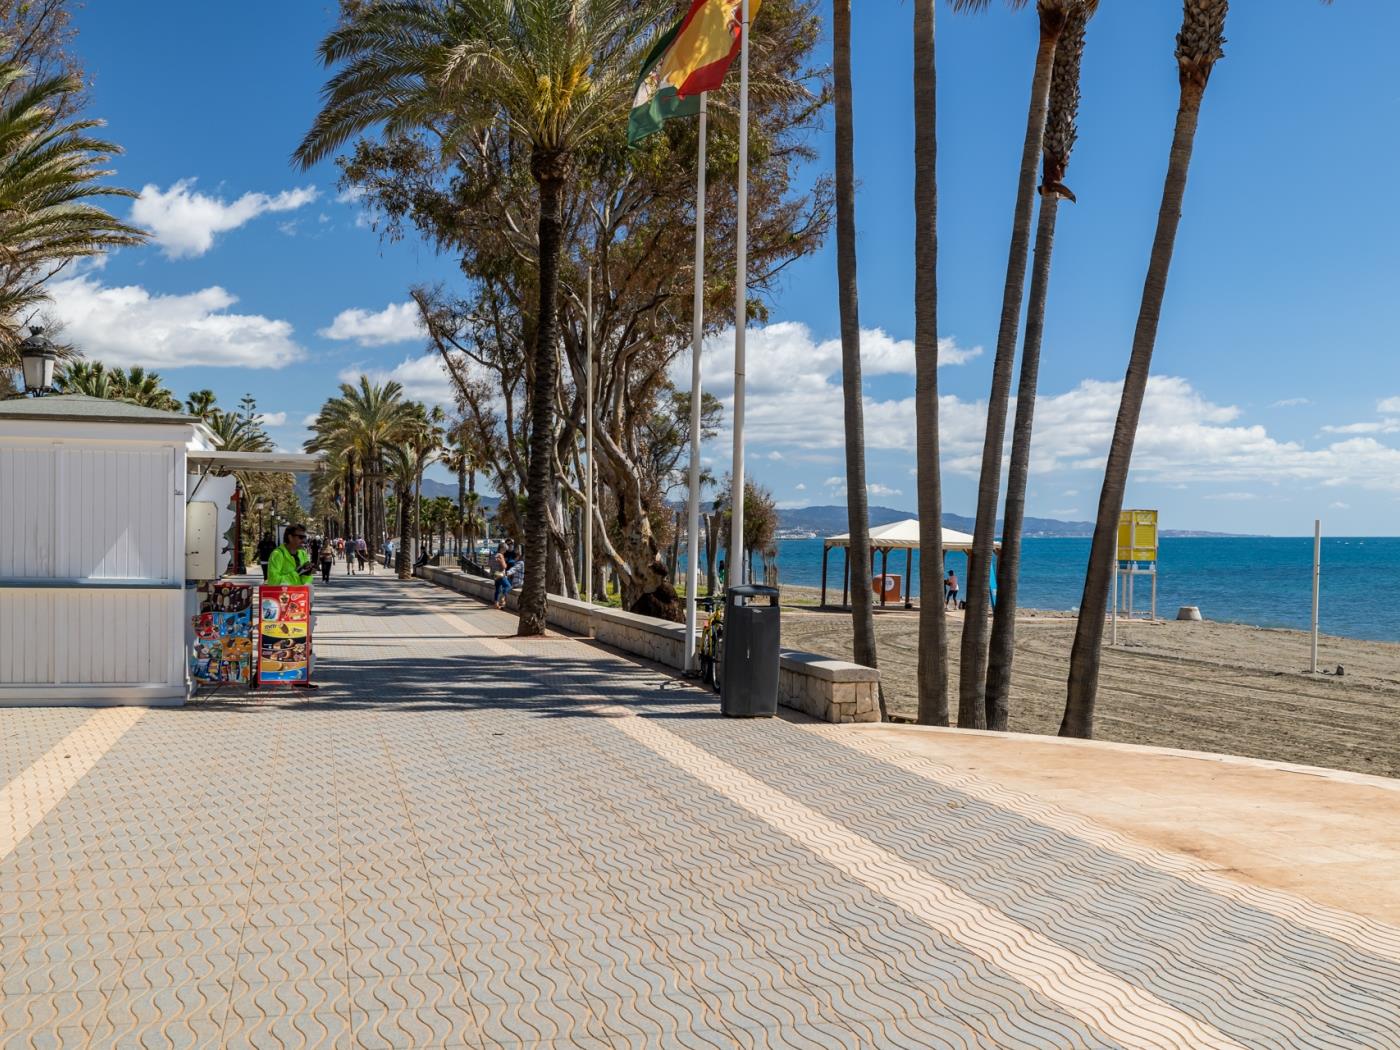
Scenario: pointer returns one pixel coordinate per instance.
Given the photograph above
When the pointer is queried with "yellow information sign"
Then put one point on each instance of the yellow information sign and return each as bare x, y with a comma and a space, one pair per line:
1137, 535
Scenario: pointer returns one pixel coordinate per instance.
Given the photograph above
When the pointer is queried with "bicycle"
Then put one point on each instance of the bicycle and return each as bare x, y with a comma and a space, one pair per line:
709, 647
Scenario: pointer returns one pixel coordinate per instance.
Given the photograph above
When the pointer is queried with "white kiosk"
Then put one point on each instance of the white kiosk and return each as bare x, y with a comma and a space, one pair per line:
92, 552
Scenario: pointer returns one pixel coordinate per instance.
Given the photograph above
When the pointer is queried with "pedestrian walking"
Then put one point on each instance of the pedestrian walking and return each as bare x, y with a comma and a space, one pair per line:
327, 560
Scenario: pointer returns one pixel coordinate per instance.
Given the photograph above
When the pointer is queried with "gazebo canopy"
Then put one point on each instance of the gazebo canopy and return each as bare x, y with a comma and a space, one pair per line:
904, 535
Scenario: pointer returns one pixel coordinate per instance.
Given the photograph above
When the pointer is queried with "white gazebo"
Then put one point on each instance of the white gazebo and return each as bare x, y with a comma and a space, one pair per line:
898, 535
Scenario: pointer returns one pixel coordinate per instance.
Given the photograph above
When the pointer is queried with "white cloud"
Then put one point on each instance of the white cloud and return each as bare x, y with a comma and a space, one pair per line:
311, 419
1232, 497
129, 325
1339, 505
876, 489
396, 323
795, 405
350, 195
1388, 406
1293, 402
801, 486
272, 419
422, 378
1379, 426
184, 221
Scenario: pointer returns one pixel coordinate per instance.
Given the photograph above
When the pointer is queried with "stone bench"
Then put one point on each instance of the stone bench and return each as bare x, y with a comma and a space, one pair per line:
828, 690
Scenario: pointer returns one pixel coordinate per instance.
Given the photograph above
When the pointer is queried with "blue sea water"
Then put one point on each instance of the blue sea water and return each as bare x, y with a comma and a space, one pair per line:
1265, 581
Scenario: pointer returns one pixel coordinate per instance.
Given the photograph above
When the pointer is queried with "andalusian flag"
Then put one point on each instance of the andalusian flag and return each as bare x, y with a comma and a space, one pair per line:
691, 58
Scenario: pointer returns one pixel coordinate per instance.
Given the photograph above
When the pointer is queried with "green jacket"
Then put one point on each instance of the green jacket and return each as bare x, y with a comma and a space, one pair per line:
282, 568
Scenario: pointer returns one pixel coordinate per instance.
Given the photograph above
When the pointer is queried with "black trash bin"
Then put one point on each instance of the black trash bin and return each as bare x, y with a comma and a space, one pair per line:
749, 675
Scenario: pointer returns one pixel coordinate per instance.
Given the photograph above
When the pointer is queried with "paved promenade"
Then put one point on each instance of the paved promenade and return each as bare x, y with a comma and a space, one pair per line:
464, 839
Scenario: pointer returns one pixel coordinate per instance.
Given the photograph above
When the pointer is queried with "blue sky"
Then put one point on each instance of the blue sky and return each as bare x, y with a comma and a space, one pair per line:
1276, 391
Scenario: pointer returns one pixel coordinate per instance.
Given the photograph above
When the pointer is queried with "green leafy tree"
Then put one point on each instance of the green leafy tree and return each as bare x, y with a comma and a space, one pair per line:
556, 75
52, 169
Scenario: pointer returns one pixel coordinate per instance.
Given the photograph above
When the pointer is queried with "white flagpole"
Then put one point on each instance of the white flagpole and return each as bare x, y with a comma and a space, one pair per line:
588, 446
735, 568
1317, 580
697, 322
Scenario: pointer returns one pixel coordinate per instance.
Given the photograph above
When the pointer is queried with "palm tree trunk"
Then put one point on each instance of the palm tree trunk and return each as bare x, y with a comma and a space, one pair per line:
548, 169
972, 712
401, 564
1009, 566
461, 501
857, 499
1197, 50
1060, 134
933, 624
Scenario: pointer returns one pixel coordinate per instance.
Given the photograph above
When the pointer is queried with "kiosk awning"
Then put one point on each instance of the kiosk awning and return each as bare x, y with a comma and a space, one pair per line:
256, 462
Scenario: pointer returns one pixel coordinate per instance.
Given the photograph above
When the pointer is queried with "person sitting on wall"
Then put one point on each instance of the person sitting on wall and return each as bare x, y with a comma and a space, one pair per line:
659, 599
509, 581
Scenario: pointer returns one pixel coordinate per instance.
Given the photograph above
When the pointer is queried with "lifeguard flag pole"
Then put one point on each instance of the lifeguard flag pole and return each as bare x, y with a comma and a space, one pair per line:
692, 548
737, 560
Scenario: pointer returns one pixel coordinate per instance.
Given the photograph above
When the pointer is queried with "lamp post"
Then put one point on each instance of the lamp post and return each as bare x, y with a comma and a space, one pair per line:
37, 358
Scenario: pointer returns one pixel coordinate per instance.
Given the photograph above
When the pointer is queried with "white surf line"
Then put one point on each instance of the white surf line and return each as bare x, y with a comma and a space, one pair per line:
1123, 1012
32, 795
1366, 934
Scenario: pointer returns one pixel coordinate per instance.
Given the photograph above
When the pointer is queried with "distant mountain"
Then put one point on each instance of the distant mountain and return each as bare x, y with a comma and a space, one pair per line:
832, 521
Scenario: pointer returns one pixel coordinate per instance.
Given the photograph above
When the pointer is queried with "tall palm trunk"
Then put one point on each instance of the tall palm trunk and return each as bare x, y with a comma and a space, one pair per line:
972, 712
857, 499
401, 563
1198, 47
549, 170
1059, 141
460, 529
933, 624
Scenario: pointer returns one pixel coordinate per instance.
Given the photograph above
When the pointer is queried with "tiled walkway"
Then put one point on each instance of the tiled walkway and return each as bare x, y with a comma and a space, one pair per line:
464, 839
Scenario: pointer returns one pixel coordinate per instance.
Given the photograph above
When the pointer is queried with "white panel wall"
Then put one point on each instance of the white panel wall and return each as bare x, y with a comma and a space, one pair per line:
115, 508
26, 511
119, 637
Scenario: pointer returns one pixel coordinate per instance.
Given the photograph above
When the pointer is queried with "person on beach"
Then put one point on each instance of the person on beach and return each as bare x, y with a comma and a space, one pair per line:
950, 590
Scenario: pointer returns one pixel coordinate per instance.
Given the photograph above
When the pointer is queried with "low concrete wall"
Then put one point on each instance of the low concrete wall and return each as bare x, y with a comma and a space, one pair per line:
657, 640
830, 690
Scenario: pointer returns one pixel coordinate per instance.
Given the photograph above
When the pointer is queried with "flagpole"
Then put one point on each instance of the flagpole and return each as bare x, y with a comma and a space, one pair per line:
735, 569
697, 324
588, 443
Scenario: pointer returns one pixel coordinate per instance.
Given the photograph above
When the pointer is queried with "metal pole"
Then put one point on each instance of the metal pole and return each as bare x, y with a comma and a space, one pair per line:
741, 306
588, 443
1317, 579
1114, 637
697, 325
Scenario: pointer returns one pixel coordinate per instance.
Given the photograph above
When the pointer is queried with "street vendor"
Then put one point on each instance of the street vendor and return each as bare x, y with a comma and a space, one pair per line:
290, 564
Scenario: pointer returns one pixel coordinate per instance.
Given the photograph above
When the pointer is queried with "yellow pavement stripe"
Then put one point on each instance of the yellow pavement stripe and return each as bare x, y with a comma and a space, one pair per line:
27, 799
1123, 1012
1369, 935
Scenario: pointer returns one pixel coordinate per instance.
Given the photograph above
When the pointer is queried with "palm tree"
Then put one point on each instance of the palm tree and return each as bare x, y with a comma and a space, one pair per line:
557, 75
89, 378
857, 500
146, 389
235, 433
971, 683
1199, 45
201, 403
357, 425
50, 169
402, 466
933, 626
1060, 133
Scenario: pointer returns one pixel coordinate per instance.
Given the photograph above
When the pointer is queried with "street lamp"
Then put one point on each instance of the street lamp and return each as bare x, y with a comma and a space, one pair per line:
37, 358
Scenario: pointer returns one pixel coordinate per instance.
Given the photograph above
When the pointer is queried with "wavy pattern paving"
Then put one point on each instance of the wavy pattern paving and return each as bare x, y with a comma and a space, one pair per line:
466, 839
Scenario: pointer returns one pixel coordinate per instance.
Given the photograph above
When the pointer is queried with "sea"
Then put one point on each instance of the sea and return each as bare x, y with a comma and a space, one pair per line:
1262, 581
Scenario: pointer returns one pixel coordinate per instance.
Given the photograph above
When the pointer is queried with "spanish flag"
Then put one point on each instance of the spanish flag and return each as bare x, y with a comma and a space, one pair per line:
691, 58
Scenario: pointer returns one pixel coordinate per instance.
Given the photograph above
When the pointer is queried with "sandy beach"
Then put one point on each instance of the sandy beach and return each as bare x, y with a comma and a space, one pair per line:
1207, 686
